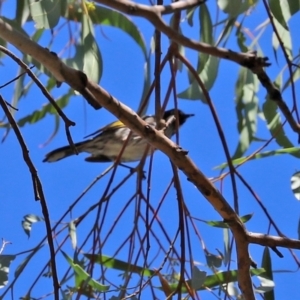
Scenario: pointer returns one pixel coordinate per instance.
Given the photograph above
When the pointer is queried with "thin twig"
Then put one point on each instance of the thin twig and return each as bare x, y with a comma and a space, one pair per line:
286, 56
67, 121
38, 192
153, 15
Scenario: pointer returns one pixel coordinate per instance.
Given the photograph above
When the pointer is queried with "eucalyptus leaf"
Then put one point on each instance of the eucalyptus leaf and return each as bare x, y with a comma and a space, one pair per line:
46, 13
5, 261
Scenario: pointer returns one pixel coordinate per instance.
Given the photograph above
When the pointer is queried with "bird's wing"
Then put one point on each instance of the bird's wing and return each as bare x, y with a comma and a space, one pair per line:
98, 158
111, 126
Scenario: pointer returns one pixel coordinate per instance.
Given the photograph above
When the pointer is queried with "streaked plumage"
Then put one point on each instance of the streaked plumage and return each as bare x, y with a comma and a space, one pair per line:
107, 142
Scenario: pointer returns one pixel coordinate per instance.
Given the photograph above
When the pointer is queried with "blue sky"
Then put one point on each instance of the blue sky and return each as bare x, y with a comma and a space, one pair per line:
65, 180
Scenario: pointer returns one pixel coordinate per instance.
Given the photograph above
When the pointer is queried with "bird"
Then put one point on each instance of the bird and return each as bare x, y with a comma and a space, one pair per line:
107, 142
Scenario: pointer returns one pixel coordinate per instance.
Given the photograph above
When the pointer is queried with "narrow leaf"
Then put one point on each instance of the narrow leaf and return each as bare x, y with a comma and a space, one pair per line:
276, 9
216, 280
246, 110
38, 115
238, 161
267, 285
73, 235
275, 125
92, 59
207, 65
110, 262
84, 276
222, 224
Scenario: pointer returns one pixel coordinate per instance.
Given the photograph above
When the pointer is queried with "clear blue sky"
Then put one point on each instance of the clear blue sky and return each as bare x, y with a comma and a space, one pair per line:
65, 180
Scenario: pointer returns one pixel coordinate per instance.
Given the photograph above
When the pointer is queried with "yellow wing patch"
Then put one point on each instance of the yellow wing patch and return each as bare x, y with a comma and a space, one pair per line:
114, 125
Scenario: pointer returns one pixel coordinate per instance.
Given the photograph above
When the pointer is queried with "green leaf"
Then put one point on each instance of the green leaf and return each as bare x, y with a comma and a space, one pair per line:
215, 280
227, 29
267, 264
241, 39
198, 278
285, 37
295, 77
105, 16
275, 126
46, 13
189, 15
110, 262
38, 115
241, 160
207, 75
20, 88
266, 285
294, 6
276, 9
227, 276
235, 7
84, 277
5, 261
207, 65
246, 109
92, 59
206, 29
222, 224
22, 12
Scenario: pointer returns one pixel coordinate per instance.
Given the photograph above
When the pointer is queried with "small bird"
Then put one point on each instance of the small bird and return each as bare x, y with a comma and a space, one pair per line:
108, 141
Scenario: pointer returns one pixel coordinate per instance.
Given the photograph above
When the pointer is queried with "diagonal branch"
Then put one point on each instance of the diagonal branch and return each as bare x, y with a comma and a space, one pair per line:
98, 97
248, 59
272, 241
153, 15
38, 192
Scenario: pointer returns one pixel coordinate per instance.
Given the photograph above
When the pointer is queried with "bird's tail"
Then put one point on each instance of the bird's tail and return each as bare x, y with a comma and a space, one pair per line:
63, 152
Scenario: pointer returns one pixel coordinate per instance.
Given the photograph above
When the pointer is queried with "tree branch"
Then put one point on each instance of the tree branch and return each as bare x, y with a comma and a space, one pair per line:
153, 15
98, 97
272, 241
248, 59
38, 192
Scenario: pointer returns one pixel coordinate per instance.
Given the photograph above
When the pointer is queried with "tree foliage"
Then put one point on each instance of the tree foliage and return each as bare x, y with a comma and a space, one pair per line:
149, 233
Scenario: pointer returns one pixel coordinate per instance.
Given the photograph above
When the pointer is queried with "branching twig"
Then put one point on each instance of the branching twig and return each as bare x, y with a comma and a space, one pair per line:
275, 95
100, 97
38, 192
286, 56
4, 243
153, 15
67, 121
272, 241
